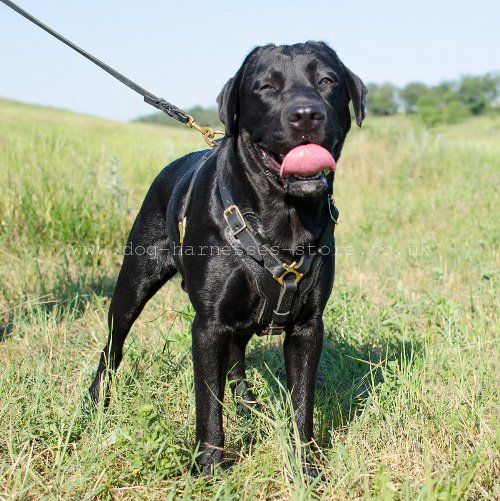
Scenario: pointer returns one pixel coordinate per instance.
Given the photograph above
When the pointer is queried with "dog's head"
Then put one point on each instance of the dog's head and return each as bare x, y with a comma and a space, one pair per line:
284, 98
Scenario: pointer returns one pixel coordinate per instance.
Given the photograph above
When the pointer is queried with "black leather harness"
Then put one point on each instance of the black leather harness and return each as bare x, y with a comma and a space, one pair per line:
283, 288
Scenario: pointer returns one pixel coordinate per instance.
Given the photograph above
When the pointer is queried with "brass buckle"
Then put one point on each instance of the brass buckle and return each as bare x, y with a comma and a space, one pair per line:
207, 132
230, 210
289, 268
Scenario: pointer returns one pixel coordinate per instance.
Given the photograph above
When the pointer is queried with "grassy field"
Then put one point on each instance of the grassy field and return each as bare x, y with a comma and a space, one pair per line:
408, 385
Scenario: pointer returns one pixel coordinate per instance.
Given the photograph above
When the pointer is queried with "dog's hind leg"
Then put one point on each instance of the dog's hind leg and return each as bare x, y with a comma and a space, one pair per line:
147, 265
237, 375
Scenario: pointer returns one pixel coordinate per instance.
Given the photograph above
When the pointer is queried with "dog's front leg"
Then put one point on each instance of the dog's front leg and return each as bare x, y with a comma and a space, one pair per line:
302, 347
210, 362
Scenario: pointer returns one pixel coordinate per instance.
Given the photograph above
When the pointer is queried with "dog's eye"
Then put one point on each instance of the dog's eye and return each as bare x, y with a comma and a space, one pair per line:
326, 82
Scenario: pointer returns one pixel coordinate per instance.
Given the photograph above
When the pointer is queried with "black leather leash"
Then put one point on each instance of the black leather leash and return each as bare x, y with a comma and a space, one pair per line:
158, 102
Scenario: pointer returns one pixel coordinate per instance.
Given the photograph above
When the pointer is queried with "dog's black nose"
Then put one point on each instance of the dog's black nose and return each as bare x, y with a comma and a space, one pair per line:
305, 116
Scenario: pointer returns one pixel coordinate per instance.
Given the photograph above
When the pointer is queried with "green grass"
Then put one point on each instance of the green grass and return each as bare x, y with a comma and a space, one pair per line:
407, 392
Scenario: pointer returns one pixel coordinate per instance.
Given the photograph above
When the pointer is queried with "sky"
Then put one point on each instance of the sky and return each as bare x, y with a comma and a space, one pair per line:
185, 50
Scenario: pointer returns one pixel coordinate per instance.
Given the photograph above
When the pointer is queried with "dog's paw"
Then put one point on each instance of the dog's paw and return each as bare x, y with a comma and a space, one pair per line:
244, 398
89, 403
92, 396
246, 403
310, 467
311, 470
201, 470
93, 399
206, 463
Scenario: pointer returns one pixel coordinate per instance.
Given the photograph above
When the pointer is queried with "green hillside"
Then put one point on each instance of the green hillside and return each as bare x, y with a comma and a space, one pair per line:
407, 393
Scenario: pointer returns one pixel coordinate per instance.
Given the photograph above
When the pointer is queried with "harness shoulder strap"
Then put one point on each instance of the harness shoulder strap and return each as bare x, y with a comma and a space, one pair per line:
182, 219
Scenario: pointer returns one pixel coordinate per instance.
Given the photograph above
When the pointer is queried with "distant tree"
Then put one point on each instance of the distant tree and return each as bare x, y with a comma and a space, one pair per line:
381, 99
441, 104
454, 111
410, 94
478, 93
429, 109
445, 92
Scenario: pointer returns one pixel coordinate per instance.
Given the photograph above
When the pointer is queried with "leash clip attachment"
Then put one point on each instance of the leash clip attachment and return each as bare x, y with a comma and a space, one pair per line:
207, 132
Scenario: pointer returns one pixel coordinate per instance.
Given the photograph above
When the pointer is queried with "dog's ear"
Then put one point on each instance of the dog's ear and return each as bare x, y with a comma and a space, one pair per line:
357, 93
229, 99
356, 88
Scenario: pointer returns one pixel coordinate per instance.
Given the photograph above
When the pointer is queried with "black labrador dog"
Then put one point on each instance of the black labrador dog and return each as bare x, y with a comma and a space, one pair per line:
249, 226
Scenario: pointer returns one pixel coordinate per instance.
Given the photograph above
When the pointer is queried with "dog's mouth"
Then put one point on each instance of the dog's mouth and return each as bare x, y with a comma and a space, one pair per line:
272, 159
304, 168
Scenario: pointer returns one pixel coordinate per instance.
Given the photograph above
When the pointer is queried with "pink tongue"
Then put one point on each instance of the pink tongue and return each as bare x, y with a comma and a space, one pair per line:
307, 160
